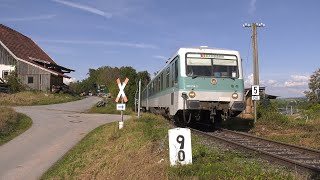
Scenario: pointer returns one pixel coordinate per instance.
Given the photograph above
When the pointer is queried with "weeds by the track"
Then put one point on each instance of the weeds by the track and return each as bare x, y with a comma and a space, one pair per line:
273, 125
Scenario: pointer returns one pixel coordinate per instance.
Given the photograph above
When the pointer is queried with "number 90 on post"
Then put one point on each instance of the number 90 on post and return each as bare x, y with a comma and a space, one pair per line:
180, 146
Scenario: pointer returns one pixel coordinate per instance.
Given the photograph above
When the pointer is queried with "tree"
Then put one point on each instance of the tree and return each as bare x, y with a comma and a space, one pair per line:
314, 86
145, 78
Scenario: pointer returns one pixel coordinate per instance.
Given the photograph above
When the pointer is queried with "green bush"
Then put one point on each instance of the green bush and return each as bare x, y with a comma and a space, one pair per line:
313, 112
14, 83
271, 115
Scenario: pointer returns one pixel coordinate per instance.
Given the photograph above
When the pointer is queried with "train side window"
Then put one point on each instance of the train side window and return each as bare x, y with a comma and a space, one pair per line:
159, 83
172, 75
152, 88
176, 72
167, 77
161, 80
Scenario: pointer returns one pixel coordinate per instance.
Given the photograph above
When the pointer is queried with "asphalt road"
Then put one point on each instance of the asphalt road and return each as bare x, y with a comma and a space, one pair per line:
55, 130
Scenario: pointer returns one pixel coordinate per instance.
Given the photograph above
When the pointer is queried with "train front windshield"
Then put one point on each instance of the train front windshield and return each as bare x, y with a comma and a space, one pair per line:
212, 65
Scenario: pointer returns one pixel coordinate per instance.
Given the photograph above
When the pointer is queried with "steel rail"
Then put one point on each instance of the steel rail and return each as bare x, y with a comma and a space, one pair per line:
303, 151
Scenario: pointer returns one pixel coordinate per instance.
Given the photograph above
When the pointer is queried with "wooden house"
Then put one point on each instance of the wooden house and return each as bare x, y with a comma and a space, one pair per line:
33, 66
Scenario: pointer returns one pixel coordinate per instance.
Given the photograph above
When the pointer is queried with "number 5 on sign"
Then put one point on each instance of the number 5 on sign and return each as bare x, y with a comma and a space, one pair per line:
255, 90
180, 146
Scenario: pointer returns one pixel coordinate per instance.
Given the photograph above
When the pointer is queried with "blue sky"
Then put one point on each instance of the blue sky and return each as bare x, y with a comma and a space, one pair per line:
145, 33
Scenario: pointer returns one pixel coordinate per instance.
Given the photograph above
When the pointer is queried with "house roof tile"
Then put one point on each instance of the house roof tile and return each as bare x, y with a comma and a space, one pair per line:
23, 47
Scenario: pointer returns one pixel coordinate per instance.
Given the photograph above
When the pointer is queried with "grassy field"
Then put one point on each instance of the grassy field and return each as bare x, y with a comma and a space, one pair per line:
301, 132
28, 98
12, 124
140, 151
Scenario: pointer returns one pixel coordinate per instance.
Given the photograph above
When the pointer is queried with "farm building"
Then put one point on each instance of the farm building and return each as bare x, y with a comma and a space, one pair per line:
33, 66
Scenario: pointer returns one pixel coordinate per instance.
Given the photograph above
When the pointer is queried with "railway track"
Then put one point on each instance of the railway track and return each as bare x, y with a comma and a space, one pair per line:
290, 155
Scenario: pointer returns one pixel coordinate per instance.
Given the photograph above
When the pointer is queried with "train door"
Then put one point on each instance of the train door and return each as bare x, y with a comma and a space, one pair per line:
174, 96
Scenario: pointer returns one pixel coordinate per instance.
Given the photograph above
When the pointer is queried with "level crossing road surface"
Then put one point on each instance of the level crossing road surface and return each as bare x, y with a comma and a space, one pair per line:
55, 130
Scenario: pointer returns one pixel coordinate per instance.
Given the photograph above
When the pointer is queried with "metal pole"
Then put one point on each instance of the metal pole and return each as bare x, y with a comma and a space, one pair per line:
139, 101
122, 110
135, 104
135, 100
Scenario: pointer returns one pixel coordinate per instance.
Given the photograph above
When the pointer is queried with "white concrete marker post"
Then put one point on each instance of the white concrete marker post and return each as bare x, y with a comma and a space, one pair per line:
124, 98
180, 146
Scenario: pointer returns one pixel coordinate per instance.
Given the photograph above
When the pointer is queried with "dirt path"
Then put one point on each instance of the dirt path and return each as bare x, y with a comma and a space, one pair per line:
55, 130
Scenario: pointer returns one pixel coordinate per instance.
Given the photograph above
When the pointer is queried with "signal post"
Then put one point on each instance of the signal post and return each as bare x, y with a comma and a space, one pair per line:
121, 106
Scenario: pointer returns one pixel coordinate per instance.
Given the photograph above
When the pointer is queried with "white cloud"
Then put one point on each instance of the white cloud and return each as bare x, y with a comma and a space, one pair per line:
106, 43
300, 78
297, 80
31, 18
291, 83
86, 8
67, 81
159, 57
252, 6
111, 52
248, 81
294, 86
272, 82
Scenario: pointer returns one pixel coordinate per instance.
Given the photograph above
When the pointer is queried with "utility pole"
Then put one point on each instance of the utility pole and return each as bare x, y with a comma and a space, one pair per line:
139, 101
254, 27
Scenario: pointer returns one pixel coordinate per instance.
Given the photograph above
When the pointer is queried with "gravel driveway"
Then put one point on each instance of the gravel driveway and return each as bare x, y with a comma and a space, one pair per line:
55, 130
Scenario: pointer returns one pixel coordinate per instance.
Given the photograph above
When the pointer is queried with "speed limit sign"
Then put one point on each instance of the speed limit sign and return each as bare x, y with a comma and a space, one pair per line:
255, 90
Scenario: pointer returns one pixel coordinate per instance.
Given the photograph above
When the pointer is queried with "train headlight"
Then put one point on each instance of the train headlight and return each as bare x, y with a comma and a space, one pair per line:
214, 81
235, 95
192, 94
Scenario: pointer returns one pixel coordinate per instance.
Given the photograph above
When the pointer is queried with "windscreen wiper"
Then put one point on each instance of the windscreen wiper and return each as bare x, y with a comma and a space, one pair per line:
195, 76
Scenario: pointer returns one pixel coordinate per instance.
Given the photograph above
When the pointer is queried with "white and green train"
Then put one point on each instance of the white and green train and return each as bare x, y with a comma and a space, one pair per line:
201, 85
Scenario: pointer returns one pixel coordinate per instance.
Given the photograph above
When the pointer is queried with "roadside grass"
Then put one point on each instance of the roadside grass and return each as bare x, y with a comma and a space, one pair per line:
140, 151
131, 153
110, 108
275, 126
12, 124
28, 98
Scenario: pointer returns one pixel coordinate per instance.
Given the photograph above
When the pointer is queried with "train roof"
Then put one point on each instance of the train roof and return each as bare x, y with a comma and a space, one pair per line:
205, 49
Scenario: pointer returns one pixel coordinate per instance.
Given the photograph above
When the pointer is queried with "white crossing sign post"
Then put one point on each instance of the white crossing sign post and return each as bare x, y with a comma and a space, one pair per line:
121, 88
180, 146
121, 107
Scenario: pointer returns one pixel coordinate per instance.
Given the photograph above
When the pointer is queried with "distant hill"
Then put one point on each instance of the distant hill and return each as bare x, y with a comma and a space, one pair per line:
294, 98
